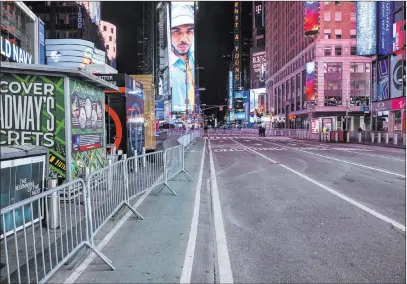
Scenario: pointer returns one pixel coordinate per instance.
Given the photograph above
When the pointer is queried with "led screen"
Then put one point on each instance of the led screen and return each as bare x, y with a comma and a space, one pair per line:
182, 57
399, 35
396, 84
383, 80
374, 82
365, 28
310, 82
257, 104
385, 27
311, 17
230, 90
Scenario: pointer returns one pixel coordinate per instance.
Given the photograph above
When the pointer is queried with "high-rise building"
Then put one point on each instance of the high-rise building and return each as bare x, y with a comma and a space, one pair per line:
109, 34
313, 73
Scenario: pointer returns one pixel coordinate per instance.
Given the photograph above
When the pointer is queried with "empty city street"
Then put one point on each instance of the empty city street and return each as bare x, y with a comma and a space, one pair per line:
305, 211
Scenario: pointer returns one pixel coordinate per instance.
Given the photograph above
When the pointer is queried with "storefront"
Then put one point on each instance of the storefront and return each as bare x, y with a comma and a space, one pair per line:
59, 108
21, 30
390, 115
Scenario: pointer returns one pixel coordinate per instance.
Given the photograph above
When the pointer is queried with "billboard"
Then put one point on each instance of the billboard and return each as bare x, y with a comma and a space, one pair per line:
311, 18
385, 27
257, 104
258, 65
383, 80
366, 28
230, 89
246, 103
374, 81
396, 83
135, 116
310, 82
182, 57
87, 127
259, 14
399, 35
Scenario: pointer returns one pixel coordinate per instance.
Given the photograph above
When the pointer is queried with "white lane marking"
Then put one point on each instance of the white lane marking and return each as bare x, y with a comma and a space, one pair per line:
340, 195
88, 260
257, 144
355, 150
190, 252
221, 141
225, 269
346, 162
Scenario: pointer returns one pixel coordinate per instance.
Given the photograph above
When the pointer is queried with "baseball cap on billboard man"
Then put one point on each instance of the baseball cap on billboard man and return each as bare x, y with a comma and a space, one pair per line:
182, 29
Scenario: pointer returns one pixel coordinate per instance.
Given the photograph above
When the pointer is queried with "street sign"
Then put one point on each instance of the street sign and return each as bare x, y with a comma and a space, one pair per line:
364, 108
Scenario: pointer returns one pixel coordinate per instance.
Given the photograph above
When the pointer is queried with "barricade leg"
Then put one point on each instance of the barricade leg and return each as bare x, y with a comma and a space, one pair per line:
126, 203
165, 183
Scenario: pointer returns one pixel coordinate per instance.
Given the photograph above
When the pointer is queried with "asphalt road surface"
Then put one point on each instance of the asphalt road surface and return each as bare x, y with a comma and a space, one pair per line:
308, 212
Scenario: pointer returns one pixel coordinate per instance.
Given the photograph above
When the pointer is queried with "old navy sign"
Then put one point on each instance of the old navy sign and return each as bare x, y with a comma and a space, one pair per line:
15, 53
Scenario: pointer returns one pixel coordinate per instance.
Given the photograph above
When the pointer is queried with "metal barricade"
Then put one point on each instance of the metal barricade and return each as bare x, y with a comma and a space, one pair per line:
108, 193
30, 249
143, 176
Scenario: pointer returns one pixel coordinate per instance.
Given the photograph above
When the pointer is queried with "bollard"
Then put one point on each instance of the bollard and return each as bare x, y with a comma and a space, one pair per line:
53, 206
359, 137
379, 138
404, 139
386, 138
322, 136
347, 137
328, 136
336, 136
395, 139
372, 137
144, 157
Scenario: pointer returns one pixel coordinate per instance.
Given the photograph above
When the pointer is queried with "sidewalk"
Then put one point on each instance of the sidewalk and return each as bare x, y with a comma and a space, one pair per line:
147, 251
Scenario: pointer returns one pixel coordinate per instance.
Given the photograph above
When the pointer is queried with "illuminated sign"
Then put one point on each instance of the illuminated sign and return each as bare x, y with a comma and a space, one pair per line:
14, 53
399, 35
310, 82
259, 14
311, 18
385, 27
230, 90
258, 58
80, 18
366, 28
237, 53
182, 57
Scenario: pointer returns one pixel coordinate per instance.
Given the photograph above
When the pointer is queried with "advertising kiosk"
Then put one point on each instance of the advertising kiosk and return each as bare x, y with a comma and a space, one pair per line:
59, 108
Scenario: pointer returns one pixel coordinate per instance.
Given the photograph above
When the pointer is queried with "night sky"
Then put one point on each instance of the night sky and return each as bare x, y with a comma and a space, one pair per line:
215, 24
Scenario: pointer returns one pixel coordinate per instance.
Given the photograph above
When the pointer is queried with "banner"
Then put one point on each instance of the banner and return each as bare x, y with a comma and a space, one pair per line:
399, 35
32, 112
366, 28
385, 27
310, 82
87, 127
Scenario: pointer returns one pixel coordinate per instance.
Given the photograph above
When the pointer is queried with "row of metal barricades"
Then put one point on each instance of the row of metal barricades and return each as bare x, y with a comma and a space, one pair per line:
292, 133
42, 233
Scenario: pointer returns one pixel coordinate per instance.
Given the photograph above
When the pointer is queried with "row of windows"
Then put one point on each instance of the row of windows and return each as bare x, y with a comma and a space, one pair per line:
338, 33
338, 16
105, 29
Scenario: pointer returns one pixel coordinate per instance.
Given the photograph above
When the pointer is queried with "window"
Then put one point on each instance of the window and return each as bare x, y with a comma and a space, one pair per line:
327, 16
110, 38
353, 50
338, 33
111, 30
338, 16
327, 34
104, 28
397, 120
327, 51
107, 47
333, 84
338, 2
360, 78
352, 33
353, 16
338, 50
114, 49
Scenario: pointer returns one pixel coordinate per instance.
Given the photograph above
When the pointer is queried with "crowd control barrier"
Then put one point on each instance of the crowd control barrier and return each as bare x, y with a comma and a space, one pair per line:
45, 231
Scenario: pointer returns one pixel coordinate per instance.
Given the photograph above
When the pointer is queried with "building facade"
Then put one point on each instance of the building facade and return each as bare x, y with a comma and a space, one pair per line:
68, 20
108, 31
338, 80
22, 34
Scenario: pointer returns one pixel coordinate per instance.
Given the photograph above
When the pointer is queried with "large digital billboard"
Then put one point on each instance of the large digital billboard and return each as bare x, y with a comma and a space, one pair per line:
396, 83
257, 104
310, 82
365, 28
385, 27
258, 59
383, 80
311, 17
182, 57
230, 89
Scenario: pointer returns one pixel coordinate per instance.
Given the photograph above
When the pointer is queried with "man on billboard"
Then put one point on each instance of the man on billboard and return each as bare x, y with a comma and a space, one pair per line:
182, 62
